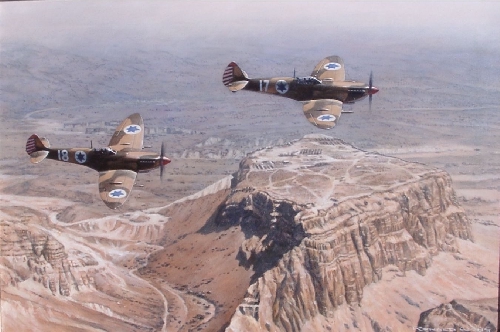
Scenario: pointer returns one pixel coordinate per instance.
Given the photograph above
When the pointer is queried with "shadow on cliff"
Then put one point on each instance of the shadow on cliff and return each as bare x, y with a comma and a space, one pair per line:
267, 243
269, 228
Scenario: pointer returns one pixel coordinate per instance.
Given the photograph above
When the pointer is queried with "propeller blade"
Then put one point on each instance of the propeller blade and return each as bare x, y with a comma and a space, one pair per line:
163, 160
162, 154
371, 91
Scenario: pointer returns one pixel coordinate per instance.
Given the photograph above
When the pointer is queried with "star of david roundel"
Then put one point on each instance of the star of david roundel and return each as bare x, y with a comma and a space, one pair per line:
282, 86
81, 157
332, 66
117, 193
326, 117
132, 129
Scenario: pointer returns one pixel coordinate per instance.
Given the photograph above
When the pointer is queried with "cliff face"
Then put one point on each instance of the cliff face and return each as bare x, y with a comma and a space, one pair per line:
29, 253
322, 219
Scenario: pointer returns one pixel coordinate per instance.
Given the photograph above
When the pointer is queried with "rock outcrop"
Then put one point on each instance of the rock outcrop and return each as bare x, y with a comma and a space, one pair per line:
30, 253
321, 220
461, 315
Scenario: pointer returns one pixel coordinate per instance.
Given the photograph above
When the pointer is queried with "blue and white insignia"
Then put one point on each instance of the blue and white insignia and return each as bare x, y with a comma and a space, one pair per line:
117, 193
326, 117
332, 66
81, 157
282, 86
132, 129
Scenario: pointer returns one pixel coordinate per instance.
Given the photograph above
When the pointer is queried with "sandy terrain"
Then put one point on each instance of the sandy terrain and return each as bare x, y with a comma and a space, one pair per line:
437, 105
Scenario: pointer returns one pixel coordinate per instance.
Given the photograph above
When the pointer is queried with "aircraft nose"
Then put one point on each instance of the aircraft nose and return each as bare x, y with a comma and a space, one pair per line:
372, 90
165, 161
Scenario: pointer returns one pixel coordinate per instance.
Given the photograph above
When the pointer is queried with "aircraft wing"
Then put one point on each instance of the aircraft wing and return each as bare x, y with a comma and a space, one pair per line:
129, 134
323, 113
331, 67
115, 186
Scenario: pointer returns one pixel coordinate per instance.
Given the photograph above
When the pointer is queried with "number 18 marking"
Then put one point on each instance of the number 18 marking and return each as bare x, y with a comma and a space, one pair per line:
63, 155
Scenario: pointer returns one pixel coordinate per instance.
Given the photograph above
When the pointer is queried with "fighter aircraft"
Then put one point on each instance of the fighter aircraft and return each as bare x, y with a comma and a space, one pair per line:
323, 93
117, 164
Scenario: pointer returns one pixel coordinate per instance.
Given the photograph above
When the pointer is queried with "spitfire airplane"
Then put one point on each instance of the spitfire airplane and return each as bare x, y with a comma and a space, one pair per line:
117, 164
323, 93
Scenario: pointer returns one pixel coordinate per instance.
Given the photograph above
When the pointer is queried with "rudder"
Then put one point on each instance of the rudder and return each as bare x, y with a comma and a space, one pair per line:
37, 148
234, 77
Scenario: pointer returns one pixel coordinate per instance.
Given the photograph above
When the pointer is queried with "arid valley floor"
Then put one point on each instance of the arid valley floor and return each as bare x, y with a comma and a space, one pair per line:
160, 263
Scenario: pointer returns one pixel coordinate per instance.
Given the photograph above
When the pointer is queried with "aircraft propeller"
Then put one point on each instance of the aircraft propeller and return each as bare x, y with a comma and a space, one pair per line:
163, 160
371, 90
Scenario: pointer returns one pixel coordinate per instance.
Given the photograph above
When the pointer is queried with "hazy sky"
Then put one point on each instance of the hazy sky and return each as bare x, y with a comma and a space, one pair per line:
66, 22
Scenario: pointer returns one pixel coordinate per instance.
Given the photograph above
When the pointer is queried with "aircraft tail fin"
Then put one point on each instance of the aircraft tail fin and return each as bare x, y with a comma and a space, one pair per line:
37, 148
234, 77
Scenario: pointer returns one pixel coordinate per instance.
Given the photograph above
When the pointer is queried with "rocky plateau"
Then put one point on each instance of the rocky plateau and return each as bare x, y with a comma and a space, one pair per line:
323, 219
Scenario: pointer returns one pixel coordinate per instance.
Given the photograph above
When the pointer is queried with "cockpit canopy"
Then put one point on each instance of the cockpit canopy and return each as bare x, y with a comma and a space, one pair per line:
107, 151
309, 80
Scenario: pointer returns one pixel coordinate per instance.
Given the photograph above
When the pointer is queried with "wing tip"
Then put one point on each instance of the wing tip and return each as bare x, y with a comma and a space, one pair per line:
113, 205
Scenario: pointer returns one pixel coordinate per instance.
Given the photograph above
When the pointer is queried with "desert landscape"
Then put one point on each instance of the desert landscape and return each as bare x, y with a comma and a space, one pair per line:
262, 222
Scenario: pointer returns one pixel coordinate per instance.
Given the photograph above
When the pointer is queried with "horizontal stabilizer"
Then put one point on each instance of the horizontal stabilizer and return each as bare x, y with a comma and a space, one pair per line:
236, 86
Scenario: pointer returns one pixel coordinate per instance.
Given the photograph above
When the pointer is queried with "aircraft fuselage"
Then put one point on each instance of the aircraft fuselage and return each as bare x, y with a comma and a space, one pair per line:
309, 88
107, 159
